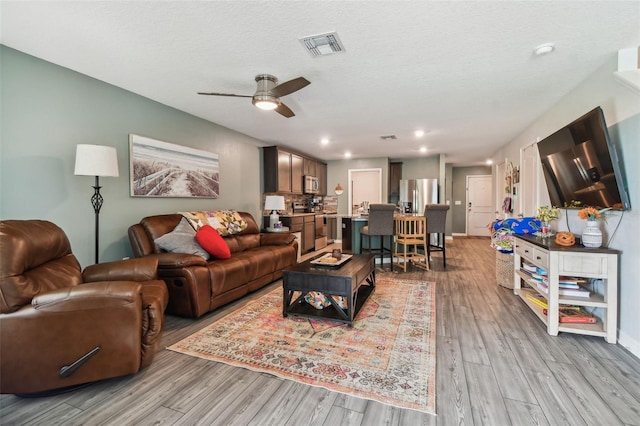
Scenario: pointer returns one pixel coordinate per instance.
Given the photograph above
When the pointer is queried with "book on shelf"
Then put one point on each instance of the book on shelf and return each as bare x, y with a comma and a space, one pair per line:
574, 314
528, 268
571, 280
537, 300
563, 282
563, 291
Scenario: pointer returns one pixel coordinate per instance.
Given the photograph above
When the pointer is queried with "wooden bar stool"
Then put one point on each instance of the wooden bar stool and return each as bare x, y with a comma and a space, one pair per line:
411, 234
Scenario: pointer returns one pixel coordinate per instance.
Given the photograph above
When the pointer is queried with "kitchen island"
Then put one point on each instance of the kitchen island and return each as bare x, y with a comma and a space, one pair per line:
351, 226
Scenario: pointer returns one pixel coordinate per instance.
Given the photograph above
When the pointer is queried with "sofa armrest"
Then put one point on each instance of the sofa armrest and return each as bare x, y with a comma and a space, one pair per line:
178, 260
276, 238
141, 269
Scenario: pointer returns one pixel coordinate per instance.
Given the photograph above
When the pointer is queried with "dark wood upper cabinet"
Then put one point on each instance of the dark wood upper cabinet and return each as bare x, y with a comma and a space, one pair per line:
284, 171
395, 174
296, 174
321, 174
310, 167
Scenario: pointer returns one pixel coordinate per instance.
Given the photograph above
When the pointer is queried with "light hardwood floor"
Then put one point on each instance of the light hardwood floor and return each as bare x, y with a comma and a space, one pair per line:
495, 366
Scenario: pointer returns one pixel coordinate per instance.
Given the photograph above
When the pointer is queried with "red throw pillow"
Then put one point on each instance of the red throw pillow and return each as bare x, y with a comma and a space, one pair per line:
213, 243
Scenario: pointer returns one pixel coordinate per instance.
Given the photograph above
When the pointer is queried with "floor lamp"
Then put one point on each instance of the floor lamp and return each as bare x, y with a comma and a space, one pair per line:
96, 160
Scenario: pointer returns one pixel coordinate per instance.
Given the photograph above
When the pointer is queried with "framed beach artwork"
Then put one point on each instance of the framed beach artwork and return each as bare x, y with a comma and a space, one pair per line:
162, 169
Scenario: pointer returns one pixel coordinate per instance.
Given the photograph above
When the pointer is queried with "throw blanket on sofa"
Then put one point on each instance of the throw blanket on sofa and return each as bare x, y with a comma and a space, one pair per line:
226, 222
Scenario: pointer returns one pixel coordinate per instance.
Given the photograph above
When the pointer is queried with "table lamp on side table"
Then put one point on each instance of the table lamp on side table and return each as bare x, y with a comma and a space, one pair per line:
274, 203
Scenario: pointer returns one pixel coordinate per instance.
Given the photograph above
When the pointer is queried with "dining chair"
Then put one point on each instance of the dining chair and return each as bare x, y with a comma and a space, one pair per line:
411, 236
380, 224
436, 215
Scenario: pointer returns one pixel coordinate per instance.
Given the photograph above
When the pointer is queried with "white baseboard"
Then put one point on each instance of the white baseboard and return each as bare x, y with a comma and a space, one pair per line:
455, 234
629, 343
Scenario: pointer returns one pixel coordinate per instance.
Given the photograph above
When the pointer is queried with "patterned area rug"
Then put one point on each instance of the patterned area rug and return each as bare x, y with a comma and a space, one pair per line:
387, 356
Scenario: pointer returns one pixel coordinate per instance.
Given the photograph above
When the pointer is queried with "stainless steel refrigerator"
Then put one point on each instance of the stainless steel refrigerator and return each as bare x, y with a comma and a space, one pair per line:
416, 193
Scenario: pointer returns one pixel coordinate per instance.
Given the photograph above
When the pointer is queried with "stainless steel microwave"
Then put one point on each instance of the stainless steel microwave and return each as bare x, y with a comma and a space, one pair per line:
311, 185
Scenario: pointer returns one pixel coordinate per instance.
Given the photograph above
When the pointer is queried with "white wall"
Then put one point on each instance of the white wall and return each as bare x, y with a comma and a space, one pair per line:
621, 108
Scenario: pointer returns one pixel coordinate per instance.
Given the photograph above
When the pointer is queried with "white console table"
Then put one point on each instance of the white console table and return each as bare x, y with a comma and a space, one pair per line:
575, 261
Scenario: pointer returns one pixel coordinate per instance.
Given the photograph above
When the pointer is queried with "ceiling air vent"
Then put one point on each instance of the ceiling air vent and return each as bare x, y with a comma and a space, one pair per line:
322, 44
388, 137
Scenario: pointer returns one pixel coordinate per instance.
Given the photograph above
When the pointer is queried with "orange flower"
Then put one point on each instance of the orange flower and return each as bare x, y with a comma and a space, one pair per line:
590, 213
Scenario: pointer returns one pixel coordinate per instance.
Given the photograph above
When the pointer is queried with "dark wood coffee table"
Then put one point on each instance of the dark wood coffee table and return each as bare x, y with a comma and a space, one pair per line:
355, 280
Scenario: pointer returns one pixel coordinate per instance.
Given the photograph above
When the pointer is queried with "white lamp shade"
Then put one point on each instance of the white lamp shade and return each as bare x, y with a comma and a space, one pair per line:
96, 160
274, 202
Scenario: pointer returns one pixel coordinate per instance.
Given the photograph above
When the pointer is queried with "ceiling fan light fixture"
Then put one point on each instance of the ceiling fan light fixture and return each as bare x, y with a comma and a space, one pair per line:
266, 104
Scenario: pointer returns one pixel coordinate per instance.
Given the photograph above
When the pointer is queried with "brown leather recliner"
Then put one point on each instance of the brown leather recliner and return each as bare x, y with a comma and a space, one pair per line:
60, 327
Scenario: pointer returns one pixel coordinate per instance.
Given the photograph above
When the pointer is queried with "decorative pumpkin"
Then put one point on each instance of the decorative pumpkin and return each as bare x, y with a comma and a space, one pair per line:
565, 239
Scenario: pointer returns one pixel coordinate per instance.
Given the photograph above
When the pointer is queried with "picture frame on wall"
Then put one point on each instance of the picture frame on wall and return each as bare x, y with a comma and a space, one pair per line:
163, 169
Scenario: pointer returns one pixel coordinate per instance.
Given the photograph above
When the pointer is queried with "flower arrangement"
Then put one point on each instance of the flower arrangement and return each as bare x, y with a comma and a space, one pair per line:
591, 213
547, 213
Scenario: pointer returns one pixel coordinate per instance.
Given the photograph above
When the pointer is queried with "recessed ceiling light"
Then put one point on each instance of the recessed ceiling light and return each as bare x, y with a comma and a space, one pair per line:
324, 141
347, 154
423, 149
419, 133
544, 49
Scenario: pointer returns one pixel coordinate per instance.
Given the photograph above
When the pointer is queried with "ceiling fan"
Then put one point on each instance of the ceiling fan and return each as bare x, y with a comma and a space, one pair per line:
268, 93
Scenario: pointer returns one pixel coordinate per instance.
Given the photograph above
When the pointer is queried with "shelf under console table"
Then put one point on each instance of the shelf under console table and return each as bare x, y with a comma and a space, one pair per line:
574, 261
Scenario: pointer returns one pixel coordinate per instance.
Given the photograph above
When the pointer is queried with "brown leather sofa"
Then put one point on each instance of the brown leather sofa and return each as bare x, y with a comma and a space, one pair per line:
197, 286
60, 327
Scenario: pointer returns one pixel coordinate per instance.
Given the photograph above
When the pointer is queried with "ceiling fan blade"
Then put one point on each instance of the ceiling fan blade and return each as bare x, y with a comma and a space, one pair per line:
284, 110
290, 86
226, 94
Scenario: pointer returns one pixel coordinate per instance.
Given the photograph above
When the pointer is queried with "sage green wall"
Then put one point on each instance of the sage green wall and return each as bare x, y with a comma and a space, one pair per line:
421, 168
448, 197
459, 193
47, 110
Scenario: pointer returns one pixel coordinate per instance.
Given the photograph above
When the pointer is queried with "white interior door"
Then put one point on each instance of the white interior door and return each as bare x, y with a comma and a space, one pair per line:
500, 188
364, 185
530, 172
480, 212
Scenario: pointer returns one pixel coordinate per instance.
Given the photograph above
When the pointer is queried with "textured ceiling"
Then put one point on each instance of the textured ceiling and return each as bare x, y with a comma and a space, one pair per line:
464, 72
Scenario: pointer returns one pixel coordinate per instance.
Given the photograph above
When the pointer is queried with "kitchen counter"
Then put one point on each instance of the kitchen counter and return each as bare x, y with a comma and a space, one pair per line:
298, 214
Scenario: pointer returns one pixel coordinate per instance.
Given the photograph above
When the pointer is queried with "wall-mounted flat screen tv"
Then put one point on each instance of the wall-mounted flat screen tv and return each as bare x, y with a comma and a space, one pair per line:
582, 166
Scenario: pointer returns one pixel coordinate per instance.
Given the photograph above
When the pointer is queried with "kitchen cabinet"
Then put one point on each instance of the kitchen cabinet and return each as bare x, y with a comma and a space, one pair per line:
310, 167
321, 174
598, 266
283, 170
332, 228
395, 174
309, 233
296, 174
306, 225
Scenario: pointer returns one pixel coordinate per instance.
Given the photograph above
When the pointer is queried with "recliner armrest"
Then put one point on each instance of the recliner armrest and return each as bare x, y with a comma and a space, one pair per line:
98, 295
141, 269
